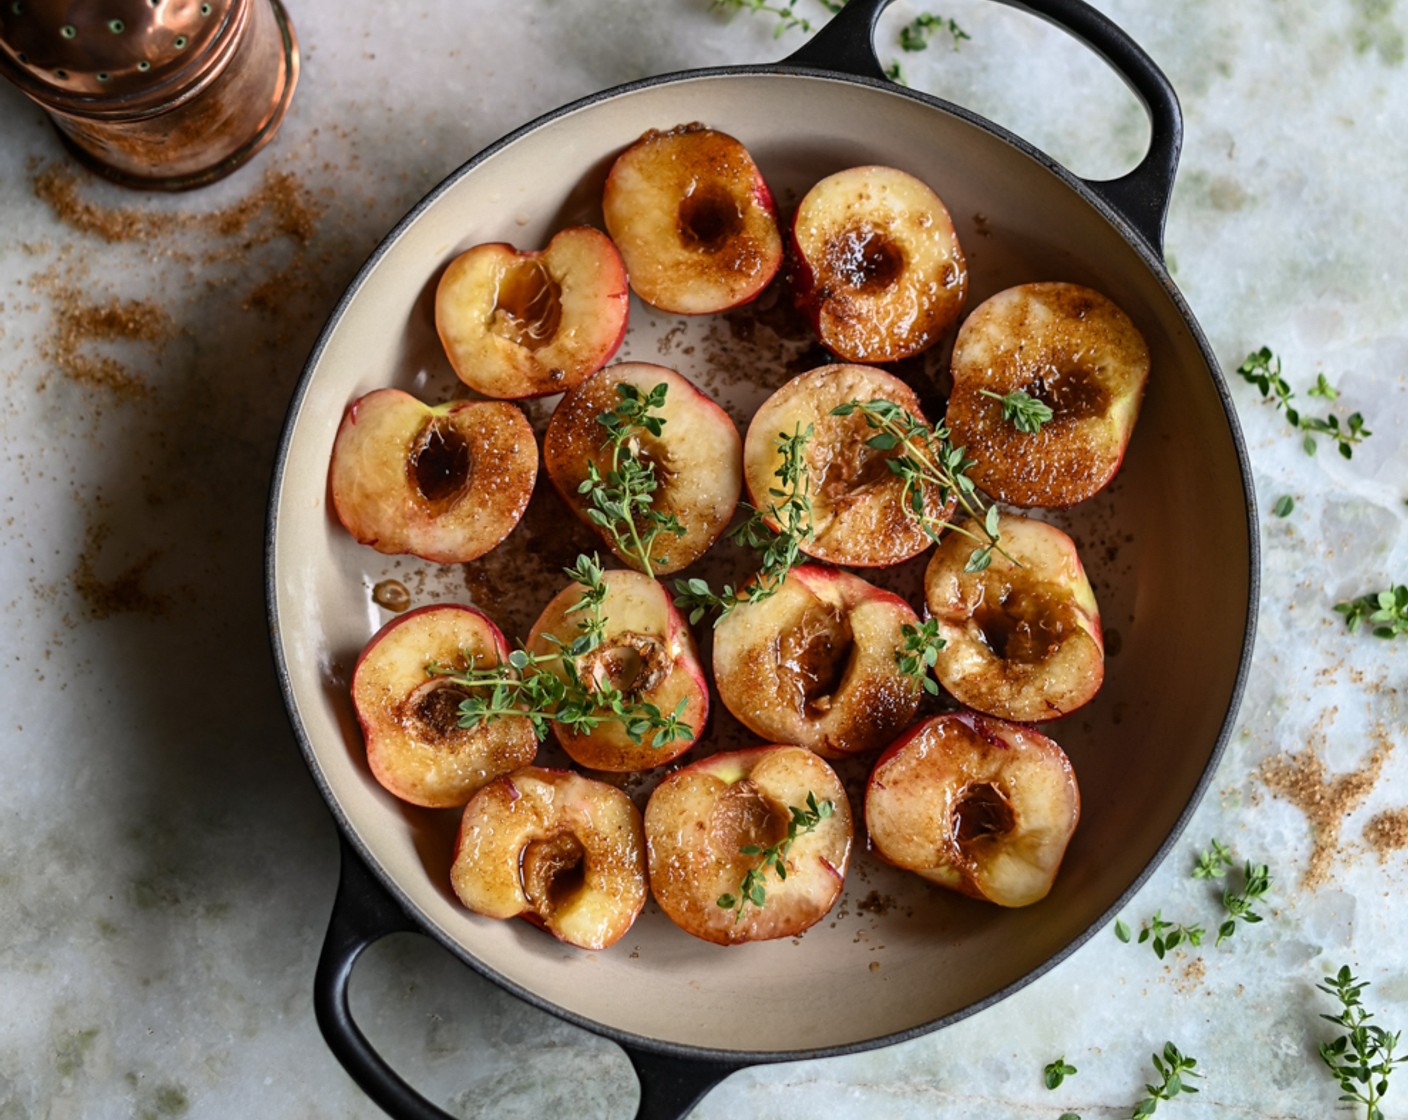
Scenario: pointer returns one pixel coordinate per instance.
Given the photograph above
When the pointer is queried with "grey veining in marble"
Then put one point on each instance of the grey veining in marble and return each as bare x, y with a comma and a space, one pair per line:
166, 865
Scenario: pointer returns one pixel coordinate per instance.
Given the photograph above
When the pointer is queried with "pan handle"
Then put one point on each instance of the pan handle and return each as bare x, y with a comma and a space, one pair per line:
362, 914
1142, 196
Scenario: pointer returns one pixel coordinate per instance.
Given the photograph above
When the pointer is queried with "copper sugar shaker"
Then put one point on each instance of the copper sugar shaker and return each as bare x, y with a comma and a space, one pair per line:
161, 94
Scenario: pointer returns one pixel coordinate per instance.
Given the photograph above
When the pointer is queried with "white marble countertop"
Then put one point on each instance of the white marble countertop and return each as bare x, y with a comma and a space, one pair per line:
166, 865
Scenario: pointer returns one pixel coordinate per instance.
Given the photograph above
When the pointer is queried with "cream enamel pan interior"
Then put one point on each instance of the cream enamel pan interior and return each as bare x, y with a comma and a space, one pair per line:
1170, 549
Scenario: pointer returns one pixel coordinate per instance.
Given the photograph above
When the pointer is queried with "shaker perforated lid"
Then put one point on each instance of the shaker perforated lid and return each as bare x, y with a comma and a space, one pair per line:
76, 53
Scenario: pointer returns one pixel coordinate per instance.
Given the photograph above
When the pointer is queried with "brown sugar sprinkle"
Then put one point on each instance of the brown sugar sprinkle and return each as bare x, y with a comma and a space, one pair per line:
282, 200
1325, 800
124, 594
78, 323
1387, 832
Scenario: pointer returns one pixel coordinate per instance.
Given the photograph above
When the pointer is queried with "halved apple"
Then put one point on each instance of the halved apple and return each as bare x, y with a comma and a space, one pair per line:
1023, 643
517, 323
861, 514
1073, 350
977, 805
696, 460
563, 851
446, 482
877, 267
814, 664
410, 719
646, 652
710, 824
694, 220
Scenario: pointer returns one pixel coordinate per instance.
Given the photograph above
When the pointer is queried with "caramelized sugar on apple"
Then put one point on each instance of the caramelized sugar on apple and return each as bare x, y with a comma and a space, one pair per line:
563, 851
1021, 642
696, 459
1070, 348
814, 664
876, 264
700, 820
860, 515
517, 323
693, 219
415, 746
977, 805
646, 652
446, 483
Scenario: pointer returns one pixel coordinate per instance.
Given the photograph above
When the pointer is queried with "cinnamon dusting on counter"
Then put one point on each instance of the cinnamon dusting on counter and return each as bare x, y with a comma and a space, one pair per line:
1387, 832
1325, 799
123, 594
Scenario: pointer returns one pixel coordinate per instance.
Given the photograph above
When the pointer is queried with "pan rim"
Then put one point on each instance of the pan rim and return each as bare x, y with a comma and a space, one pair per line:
734, 1059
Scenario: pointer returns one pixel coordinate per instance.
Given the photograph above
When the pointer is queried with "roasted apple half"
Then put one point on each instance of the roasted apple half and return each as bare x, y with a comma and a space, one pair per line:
643, 430
563, 851
694, 220
749, 845
644, 652
877, 267
815, 663
517, 323
445, 482
977, 805
416, 747
1063, 346
1022, 641
862, 512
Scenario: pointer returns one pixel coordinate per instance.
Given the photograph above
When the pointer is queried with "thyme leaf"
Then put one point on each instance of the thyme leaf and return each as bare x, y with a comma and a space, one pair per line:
752, 890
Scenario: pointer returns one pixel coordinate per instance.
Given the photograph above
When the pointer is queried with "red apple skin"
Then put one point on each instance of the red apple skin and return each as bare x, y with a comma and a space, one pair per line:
694, 220
980, 806
876, 265
700, 816
1071, 348
814, 664
698, 458
446, 483
860, 516
518, 323
415, 747
563, 851
1021, 643
645, 629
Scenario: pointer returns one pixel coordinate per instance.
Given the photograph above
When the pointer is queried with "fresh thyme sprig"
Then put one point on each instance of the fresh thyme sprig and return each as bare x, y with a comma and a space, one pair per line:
1174, 1069
1362, 1058
752, 889
1213, 863
527, 685
780, 550
1262, 368
1386, 612
1238, 904
928, 459
1023, 411
1057, 1072
1167, 936
920, 653
785, 12
915, 35
622, 499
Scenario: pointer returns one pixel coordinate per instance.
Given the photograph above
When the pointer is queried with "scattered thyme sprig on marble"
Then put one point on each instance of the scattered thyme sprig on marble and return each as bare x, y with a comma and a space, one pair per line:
780, 550
753, 890
1057, 1072
1174, 1068
927, 458
1386, 612
1023, 411
526, 685
622, 499
1262, 368
1362, 1058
